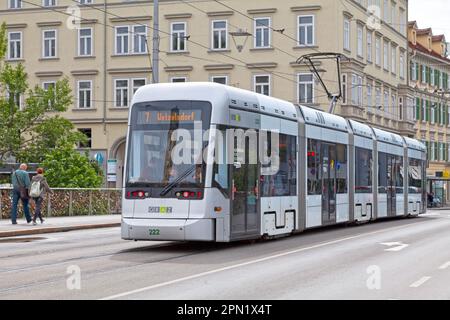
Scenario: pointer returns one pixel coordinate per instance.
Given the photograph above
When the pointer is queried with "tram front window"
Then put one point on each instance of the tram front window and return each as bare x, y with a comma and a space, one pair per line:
164, 148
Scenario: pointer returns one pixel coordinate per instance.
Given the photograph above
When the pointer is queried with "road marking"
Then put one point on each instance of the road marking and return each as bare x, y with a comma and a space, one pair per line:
397, 246
444, 266
195, 276
420, 282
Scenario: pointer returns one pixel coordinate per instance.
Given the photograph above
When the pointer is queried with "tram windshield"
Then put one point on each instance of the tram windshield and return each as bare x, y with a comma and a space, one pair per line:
164, 147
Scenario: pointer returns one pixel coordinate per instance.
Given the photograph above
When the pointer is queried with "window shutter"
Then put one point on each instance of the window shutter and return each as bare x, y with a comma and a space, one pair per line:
427, 110
418, 117
420, 73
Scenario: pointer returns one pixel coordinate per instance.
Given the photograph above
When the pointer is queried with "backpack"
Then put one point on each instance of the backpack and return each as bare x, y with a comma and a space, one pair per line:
35, 190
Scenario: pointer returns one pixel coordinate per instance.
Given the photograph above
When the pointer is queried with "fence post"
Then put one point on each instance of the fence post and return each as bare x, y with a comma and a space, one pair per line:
70, 203
90, 202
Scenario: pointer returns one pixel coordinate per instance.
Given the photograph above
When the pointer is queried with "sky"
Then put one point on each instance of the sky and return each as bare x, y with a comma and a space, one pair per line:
431, 13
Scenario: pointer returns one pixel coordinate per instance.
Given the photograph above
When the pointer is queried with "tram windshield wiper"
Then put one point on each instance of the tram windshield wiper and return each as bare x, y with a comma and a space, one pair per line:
177, 181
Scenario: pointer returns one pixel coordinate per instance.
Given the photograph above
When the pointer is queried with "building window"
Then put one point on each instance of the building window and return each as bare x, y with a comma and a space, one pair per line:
178, 79
344, 89
262, 32
357, 88
433, 76
394, 60
49, 46
413, 71
402, 65
50, 85
88, 143
378, 97
369, 97
139, 39
393, 14
424, 111
220, 79
178, 31
369, 46
347, 34
14, 45
219, 35
86, 1
121, 90
394, 105
402, 21
49, 3
378, 51
137, 83
85, 94
386, 102
261, 84
85, 42
360, 41
386, 56
15, 4
306, 30
305, 88
386, 11
424, 74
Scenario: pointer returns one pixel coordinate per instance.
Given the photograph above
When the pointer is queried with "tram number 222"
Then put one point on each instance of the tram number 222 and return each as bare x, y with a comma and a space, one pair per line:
154, 232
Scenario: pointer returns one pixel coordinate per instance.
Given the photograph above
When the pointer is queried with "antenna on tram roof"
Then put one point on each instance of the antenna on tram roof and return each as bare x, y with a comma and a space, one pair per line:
312, 59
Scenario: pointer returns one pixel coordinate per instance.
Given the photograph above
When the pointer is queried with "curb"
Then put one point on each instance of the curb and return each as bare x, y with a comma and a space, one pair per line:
25, 232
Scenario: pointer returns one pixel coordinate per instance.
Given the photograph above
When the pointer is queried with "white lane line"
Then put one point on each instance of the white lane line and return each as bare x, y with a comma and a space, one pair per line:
396, 246
445, 266
420, 282
320, 245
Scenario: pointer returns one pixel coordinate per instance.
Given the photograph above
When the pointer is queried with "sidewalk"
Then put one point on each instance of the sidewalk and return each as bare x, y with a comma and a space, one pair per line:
57, 224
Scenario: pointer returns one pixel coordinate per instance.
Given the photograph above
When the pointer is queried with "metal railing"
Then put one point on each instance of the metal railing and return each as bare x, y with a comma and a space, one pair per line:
68, 202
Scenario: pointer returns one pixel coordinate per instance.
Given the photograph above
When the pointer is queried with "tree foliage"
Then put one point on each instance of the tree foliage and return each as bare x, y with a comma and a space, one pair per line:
67, 168
30, 121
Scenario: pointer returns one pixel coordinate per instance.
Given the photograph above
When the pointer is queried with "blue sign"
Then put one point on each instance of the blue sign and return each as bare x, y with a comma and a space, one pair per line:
99, 158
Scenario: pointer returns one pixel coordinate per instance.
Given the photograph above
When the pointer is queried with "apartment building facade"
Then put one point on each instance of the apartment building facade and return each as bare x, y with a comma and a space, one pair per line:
429, 77
104, 48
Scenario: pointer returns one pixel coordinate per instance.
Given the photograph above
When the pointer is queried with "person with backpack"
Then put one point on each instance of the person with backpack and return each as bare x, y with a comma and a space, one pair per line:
21, 183
39, 187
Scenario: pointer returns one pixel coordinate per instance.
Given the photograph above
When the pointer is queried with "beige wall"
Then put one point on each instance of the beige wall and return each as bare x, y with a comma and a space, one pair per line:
108, 123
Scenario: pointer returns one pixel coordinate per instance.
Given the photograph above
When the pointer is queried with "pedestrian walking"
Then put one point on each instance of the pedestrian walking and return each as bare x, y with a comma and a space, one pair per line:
21, 183
38, 190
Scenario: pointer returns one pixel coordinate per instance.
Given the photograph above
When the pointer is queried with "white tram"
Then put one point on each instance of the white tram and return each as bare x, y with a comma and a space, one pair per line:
326, 172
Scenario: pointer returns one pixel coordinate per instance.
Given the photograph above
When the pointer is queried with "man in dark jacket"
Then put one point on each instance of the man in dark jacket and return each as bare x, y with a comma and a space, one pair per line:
20, 179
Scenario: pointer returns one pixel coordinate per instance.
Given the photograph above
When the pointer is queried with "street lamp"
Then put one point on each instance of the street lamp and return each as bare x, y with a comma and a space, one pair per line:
240, 38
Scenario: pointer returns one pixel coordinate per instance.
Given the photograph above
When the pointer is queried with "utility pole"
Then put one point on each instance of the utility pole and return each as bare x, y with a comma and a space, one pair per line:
155, 61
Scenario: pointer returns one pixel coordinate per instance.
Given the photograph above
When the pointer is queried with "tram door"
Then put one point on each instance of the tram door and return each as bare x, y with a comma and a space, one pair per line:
244, 198
328, 184
391, 190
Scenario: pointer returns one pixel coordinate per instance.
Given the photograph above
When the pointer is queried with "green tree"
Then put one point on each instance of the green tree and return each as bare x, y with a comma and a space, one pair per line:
67, 168
30, 120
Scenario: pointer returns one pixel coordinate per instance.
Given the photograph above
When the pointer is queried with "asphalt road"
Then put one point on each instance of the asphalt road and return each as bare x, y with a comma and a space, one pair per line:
395, 259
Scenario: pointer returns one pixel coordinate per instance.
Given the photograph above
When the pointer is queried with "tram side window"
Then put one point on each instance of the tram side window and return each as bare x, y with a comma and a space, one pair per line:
399, 174
341, 168
314, 176
283, 183
220, 163
363, 170
292, 159
415, 172
382, 172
